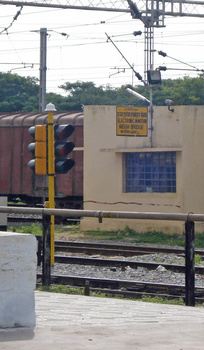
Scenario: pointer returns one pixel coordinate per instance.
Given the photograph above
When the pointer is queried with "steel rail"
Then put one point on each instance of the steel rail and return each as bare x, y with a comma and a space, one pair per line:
136, 249
99, 251
123, 263
118, 284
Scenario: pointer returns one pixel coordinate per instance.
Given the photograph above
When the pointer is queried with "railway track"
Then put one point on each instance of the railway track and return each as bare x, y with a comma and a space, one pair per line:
122, 263
132, 289
117, 249
118, 287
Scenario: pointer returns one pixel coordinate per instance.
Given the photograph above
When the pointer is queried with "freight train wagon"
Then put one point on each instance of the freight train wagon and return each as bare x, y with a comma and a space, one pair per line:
18, 181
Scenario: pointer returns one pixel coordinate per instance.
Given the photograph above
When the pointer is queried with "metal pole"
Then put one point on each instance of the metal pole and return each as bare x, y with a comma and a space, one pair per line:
151, 115
43, 68
100, 214
189, 264
149, 65
51, 172
46, 251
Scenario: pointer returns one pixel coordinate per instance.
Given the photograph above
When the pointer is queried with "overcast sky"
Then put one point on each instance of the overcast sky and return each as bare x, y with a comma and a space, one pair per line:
85, 54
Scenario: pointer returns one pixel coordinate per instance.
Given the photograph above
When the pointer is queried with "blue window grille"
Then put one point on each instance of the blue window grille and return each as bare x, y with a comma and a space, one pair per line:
151, 172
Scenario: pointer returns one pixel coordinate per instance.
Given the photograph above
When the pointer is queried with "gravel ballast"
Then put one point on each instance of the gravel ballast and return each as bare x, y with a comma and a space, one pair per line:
158, 275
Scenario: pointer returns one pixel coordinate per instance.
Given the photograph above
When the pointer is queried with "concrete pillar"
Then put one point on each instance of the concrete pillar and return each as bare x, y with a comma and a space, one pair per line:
17, 279
3, 216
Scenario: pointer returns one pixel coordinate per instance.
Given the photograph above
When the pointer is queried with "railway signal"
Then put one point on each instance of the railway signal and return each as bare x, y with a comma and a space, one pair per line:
38, 149
63, 148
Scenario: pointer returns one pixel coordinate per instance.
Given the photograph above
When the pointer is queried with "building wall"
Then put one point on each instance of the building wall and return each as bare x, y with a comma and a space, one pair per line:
104, 178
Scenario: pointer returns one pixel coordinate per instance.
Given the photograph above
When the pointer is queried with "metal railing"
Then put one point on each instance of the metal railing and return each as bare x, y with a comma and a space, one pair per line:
188, 218
100, 214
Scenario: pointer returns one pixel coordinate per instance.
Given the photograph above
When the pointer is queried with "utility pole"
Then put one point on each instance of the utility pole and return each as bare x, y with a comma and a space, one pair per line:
43, 68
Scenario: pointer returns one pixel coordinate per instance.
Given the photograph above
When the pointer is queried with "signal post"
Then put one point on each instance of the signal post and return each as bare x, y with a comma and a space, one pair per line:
50, 151
50, 108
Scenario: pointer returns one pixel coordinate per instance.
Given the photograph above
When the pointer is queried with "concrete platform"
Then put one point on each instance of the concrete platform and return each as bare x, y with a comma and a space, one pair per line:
78, 323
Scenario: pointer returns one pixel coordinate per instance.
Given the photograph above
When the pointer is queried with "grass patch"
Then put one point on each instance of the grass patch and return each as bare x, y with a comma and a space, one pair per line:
199, 240
67, 228
61, 289
35, 229
198, 259
68, 290
80, 291
154, 237
150, 237
160, 300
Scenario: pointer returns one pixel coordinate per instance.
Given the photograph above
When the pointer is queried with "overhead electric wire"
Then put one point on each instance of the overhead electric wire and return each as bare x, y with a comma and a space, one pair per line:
14, 19
88, 40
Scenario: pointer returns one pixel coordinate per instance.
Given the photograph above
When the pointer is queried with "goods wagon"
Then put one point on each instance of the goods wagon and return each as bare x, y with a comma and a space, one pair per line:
18, 181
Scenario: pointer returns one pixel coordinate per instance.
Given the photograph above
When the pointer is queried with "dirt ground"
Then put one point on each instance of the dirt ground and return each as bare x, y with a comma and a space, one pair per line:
69, 233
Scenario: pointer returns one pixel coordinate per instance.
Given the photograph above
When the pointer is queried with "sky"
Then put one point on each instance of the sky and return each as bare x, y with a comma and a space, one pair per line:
85, 54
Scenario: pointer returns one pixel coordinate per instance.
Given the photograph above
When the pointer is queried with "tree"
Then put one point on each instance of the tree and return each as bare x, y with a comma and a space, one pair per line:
81, 93
86, 93
18, 93
185, 91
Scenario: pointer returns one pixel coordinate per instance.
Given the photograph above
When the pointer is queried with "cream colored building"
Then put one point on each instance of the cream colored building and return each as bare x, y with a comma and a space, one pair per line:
159, 170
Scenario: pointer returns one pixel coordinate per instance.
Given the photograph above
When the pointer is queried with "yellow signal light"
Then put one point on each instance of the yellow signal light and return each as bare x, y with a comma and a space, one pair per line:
40, 166
40, 133
38, 149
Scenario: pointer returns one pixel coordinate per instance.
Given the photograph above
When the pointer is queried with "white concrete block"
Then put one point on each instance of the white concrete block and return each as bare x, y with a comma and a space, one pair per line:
17, 279
3, 216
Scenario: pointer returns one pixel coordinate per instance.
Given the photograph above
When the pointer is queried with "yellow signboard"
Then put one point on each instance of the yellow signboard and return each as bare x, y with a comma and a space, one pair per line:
131, 121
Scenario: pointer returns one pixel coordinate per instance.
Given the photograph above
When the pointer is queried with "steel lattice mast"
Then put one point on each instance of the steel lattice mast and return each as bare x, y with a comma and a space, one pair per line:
153, 13
151, 10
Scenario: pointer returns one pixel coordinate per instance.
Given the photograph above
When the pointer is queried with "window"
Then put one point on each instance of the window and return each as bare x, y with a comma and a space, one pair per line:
150, 172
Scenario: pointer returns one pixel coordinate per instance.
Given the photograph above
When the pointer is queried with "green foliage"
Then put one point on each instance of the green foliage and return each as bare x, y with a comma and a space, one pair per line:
61, 289
199, 240
160, 300
86, 93
151, 237
35, 229
80, 291
20, 94
185, 91
198, 259
155, 237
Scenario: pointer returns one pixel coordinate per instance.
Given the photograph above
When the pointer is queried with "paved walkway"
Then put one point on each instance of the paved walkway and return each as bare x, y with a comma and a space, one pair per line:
72, 322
